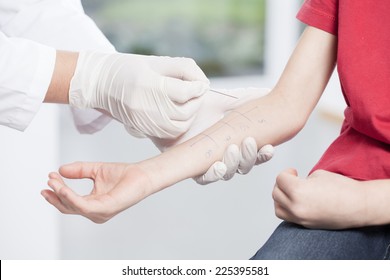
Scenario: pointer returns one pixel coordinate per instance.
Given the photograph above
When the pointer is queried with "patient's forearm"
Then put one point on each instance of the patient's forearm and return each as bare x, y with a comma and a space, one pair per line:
268, 120
377, 197
272, 119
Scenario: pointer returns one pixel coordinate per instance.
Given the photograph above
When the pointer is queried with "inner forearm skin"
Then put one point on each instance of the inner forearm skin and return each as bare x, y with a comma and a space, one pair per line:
268, 120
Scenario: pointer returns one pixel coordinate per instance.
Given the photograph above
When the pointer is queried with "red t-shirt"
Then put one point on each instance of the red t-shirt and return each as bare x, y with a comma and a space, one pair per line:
362, 151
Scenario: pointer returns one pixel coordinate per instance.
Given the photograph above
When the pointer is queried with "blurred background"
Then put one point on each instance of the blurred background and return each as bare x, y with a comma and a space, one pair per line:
237, 44
225, 37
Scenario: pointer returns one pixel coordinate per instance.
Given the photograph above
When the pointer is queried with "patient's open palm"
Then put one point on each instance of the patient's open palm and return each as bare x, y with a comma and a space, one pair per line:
116, 187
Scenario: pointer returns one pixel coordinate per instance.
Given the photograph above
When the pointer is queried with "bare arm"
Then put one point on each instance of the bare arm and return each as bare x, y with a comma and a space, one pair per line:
377, 197
272, 119
58, 91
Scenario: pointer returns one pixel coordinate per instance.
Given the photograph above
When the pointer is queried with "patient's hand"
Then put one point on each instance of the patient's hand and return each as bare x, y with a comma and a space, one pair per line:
323, 200
116, 187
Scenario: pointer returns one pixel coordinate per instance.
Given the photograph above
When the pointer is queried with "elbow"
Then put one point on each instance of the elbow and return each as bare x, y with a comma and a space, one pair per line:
300, 122
301, 119
296, 123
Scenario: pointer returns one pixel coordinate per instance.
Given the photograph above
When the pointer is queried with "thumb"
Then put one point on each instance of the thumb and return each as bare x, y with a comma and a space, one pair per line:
182, 68
80, 170
182, 91
291, 171
287, 179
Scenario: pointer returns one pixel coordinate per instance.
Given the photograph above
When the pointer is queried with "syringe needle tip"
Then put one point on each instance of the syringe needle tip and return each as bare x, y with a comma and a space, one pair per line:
225, 94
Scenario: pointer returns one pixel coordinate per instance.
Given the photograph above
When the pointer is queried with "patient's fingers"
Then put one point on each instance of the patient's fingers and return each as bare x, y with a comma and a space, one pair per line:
287, 181
66, 196
59, 187
80, 170
72, 200
280, 197
55, 182
282, 213
53, 199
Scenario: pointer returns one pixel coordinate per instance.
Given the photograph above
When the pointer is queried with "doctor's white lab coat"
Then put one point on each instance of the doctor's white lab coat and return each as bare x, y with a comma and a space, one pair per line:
30, 33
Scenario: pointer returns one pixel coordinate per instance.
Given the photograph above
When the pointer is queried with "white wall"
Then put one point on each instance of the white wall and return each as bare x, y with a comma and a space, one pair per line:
29, 227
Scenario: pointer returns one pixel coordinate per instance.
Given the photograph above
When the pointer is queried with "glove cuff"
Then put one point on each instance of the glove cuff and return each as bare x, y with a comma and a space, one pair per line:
83, 86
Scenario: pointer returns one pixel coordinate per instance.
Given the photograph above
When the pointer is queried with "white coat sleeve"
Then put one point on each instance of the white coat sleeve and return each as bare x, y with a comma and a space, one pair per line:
26, 69
61, 24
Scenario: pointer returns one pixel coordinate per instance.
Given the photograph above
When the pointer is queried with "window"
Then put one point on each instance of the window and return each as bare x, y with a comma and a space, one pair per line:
225, 37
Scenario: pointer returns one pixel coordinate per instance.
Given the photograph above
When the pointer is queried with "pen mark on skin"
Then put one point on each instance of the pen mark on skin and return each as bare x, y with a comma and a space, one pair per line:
212, 132
242, 115
205, 136
255, 108
209, 153
244, 127
227, 124
228, 138
193, 144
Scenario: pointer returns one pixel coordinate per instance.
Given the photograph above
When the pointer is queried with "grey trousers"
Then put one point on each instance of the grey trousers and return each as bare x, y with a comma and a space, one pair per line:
293, 242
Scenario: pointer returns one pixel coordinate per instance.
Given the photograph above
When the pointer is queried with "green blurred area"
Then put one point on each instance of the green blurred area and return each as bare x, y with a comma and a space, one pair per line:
203, 11
225, 37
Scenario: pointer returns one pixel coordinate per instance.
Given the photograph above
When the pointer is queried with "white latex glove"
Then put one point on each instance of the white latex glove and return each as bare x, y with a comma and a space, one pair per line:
151, 95
236, 159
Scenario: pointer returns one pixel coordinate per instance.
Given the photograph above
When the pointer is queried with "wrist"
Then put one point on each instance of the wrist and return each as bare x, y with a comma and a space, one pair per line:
65, 65
377, 196
154, 176
161, 171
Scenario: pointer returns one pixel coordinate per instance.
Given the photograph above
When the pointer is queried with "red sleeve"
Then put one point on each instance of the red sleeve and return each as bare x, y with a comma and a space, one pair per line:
322, 14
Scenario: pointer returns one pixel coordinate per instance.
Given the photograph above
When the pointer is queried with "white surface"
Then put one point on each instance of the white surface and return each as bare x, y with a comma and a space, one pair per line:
29, 226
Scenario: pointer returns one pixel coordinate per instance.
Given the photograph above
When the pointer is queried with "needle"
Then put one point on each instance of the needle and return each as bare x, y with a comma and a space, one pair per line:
222, 93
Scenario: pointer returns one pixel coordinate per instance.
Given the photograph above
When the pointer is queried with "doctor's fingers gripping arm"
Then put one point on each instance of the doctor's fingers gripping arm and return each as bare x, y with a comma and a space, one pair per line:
273, 119
137, 90
151, 95
64, 26
236, 159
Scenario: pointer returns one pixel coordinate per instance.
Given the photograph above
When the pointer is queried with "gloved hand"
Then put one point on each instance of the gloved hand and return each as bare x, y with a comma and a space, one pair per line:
151, 95
235, 159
